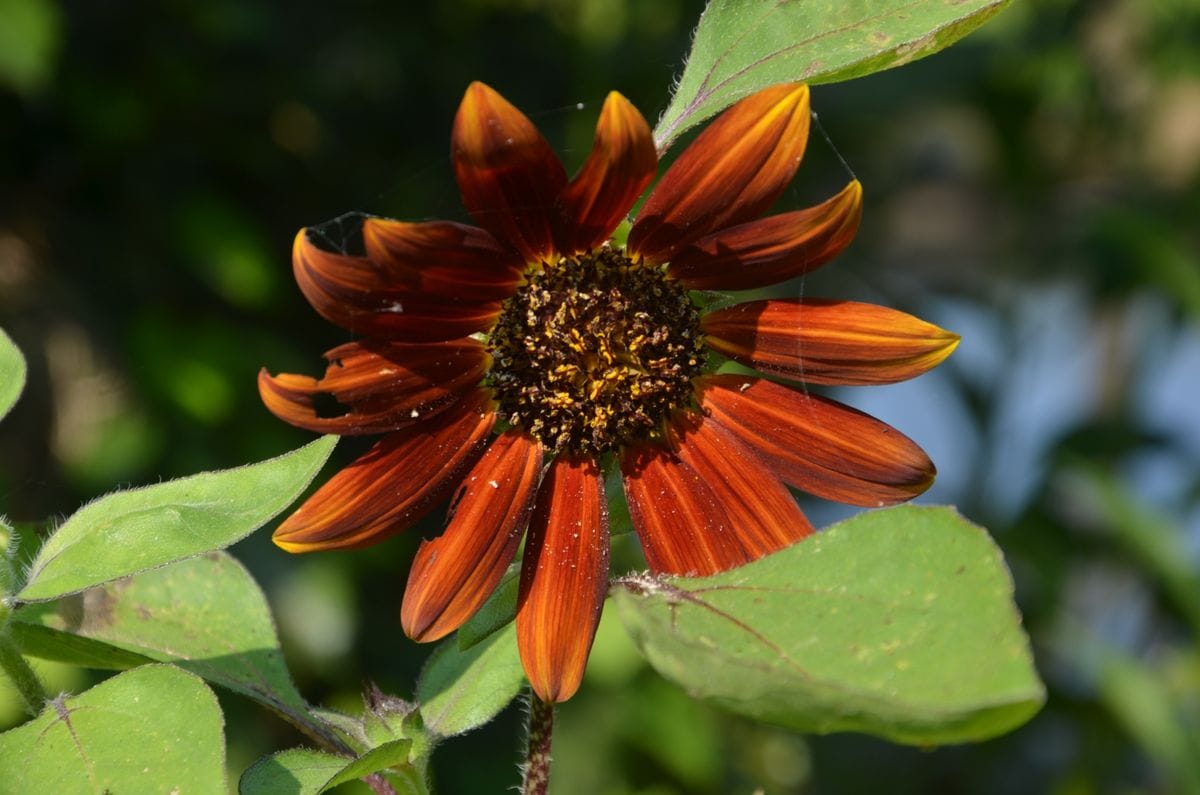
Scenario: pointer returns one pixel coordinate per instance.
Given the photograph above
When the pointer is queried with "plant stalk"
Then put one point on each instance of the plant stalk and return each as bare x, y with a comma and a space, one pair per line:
537, 755
26, 682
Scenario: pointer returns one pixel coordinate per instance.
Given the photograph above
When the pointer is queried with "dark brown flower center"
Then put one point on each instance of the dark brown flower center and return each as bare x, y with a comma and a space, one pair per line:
594, 352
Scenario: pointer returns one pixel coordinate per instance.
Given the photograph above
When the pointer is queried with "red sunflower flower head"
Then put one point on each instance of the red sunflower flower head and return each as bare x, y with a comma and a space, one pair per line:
591, 354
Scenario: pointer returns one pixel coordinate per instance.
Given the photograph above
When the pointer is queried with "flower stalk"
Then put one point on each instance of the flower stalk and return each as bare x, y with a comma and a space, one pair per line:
537, 754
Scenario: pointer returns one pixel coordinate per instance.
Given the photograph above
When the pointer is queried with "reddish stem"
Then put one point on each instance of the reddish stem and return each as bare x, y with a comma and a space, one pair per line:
537, 756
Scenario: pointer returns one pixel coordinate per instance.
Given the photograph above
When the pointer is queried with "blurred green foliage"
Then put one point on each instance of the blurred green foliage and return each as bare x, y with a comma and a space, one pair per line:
1034, 188
29, 42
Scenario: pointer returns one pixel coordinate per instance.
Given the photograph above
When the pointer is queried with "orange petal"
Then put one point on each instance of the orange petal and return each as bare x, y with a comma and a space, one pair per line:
376, 386
445, 259
622, 163
818, 445
363, 297
564, 577
708, 505
731, 173
398, 481
508, 175
771, 250
453, 575
827, 342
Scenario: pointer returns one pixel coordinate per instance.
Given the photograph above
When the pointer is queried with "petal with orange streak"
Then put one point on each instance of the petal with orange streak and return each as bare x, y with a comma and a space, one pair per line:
376, 386
564, 577
621, 164
508, 175
707, 503
771, 250
361, 296
731, 173
453, 575
827, 342
816, 444
394, 484
441, 258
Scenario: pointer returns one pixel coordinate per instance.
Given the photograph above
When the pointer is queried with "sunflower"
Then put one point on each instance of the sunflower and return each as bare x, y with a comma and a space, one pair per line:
509, 365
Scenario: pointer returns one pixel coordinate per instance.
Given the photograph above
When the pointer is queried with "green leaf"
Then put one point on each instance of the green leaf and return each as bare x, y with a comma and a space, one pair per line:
499, 610
393, 754
205, 614
36, 640
460, 690
741, 46
388, 718
898, 623
152, 729
299, 771
12, 373
131, 531
302, 771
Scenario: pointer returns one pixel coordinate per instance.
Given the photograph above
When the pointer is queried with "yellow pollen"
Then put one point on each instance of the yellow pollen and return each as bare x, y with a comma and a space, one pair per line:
594, 352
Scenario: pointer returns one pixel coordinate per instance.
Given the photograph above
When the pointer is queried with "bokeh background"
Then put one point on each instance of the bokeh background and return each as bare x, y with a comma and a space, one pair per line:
1034, 188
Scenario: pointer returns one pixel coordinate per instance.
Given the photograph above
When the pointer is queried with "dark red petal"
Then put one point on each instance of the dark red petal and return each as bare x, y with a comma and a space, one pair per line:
771, 250
453, 575
827, 342
564, 577
363, 297
376, 386
731, 173
622, 163
398, 481
508, 175
816, 444
707, 505
440, 258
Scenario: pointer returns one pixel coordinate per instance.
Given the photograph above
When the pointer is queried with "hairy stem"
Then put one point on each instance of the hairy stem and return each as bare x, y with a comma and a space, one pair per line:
23, 678
537, 756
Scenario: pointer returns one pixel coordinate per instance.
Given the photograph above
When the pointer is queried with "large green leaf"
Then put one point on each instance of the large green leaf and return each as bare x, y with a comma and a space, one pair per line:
205, 614
152, 729
898, 623
131, 531
741, 46
461, 689
302, 771
12, 373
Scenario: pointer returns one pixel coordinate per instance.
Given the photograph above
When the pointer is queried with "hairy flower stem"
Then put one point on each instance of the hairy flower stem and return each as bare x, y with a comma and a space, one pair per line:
537, 755
24, 680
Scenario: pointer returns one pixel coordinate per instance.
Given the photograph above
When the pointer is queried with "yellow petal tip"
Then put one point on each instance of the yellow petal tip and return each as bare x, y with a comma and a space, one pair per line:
292, 546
